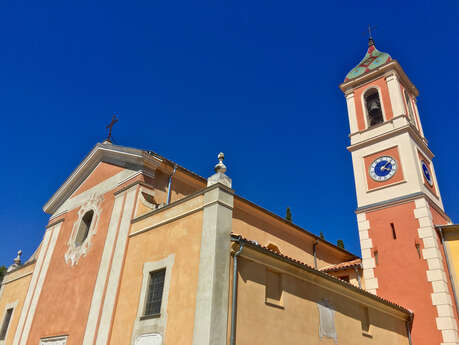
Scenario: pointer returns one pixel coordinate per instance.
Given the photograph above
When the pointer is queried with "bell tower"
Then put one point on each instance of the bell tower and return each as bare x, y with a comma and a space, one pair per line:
399, 201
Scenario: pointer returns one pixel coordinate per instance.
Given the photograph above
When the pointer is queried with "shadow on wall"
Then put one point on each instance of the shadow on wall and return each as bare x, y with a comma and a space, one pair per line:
298, 315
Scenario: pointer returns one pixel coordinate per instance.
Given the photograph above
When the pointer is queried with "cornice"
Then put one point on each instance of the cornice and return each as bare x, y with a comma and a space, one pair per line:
118, 155
401, 200
404, 129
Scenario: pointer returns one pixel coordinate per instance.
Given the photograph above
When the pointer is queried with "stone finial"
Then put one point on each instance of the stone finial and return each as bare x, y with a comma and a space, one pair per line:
220, 167
219, 176
16, 262
17, 259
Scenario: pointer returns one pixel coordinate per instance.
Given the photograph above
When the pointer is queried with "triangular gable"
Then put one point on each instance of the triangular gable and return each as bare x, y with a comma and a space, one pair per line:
120, 156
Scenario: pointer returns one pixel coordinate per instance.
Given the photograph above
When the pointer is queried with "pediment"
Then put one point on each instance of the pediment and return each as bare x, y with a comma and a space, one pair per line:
118, 158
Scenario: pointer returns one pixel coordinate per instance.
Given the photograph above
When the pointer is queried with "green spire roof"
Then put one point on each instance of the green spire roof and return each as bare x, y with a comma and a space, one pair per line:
372, 60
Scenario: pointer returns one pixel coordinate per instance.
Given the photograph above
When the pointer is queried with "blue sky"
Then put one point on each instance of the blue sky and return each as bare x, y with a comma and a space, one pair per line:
256, 79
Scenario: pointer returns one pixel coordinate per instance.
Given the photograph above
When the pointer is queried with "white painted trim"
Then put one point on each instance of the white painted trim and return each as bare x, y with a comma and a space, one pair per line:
395, 95
99, 189
104, 267
75, 251
33, 305
113, 154
211, 313
32, 285
157, 324
115, 271
352, 113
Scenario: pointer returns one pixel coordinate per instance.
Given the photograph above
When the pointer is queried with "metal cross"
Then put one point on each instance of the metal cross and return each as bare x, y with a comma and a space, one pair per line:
110, 126
369, 30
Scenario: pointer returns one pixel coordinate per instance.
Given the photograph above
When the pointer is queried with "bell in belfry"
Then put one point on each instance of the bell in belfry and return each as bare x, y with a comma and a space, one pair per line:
375, 114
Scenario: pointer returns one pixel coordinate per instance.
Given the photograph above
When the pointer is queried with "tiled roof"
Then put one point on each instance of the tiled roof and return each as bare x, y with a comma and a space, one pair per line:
254, 244
342, 266
372, 60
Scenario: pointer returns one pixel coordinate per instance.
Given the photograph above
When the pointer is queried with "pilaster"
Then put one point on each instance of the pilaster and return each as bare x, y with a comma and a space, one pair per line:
395, 94
211, 315
352, 112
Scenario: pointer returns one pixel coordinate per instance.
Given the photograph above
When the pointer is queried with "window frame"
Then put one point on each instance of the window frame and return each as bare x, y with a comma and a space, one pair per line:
149, 293
156, 324
77, 242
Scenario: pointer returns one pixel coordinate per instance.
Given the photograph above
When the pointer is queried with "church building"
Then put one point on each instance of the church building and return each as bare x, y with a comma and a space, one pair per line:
139, 250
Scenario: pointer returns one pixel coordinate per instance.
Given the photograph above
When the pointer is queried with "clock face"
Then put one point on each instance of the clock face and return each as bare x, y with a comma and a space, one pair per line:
383, 168
426, 171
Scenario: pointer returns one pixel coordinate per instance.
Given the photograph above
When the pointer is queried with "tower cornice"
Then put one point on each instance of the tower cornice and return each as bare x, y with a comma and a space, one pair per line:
386, 70
408, 128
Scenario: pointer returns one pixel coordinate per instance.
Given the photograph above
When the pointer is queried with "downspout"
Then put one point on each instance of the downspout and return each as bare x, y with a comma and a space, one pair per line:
234, 296
445, 250
358, 276
408, 329
169, 185
314, 251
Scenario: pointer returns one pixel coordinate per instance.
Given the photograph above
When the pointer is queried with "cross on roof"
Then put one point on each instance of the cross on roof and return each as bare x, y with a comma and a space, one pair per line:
110, 126
369, 30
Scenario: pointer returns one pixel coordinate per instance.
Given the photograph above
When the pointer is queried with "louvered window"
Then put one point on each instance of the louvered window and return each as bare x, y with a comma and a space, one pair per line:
155, 292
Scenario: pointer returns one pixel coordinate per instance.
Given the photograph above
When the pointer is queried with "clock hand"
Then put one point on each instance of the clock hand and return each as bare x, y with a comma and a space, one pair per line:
384, 167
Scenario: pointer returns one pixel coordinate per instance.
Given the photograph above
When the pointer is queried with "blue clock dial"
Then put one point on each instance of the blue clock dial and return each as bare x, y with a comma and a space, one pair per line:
426, 171
383, 168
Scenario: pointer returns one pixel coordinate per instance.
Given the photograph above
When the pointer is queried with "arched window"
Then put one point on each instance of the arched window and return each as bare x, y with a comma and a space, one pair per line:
410, 106
373, 106
84, 227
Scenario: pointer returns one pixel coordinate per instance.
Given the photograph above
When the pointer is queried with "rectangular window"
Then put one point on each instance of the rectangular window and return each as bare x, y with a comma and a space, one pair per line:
273, 288
155, 292
5, 324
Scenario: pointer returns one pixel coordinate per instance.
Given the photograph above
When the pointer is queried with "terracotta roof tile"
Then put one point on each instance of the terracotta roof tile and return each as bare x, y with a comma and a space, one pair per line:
342, 266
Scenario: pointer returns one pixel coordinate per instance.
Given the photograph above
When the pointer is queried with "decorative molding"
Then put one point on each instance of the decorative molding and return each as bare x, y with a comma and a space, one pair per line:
54, 234
32, 286
74, 251
126, 157
157, 324
104, 269
114, 276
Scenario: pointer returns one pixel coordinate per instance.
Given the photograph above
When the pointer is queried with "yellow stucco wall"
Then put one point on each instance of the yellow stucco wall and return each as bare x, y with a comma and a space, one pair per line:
14, 290
452, 246
256, 225
178, 236
296, 321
